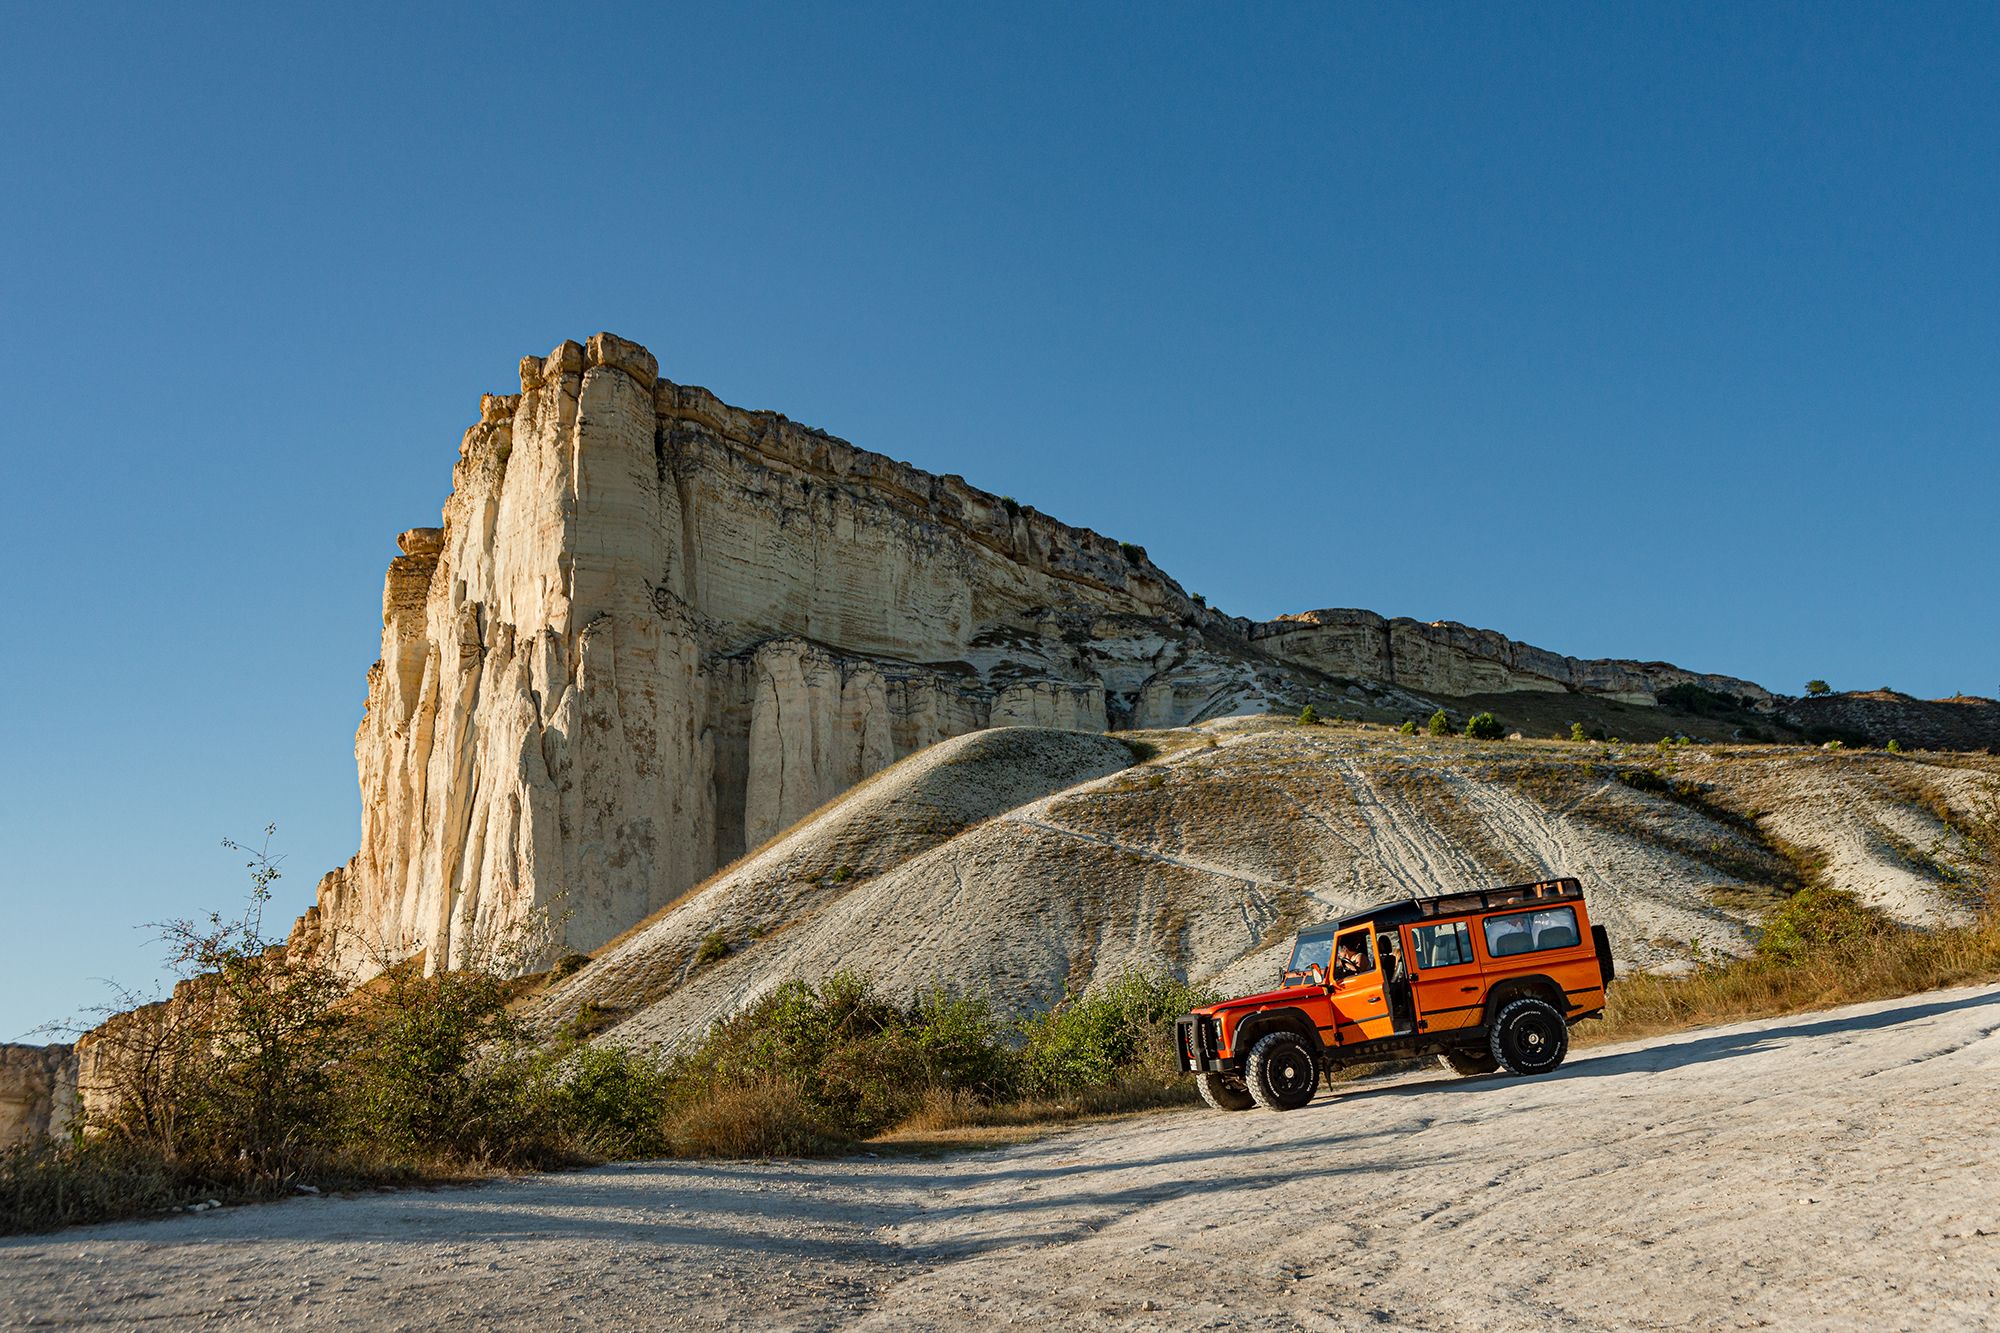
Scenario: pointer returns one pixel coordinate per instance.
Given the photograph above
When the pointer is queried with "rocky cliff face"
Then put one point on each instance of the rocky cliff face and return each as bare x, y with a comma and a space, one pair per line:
37, 1091
1445, 657
654, 630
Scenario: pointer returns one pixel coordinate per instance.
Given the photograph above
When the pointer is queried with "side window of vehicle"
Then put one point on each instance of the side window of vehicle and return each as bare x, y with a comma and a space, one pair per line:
1444, 944
1529, 932
1352, 954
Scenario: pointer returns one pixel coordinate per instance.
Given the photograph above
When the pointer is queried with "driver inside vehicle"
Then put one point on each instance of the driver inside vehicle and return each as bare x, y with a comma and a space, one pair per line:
1349, 958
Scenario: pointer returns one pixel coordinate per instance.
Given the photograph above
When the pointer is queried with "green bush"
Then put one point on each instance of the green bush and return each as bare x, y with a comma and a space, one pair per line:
1409, 727
1440, 725
1818, 687
442, 1067
1894, 746
568, 965
1308, 716
1089, 1040
1484, 727
1577, 733
1816, 920
714, 948
611, 1102
838, 1042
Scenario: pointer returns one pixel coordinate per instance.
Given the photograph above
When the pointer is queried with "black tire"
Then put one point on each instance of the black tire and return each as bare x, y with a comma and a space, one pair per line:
1528, 1036
1468, 1062
1224, 1092
1282, 1071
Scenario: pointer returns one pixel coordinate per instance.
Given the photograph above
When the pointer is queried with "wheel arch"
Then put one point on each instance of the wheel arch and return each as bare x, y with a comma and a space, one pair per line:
1264, 1022
1505, 992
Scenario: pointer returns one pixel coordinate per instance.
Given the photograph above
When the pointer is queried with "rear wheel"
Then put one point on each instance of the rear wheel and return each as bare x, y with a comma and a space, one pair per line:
1528, 1036
1282, 1071
1225, 1092
1468, 1061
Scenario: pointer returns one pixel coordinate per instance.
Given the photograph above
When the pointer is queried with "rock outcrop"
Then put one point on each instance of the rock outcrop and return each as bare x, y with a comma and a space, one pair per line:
37, 1091
1876, 717
653, 631
1445, 657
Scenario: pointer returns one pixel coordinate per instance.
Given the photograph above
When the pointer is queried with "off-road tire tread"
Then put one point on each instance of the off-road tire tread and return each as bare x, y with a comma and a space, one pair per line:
1261, 1055
1220, 1095
1497, 1047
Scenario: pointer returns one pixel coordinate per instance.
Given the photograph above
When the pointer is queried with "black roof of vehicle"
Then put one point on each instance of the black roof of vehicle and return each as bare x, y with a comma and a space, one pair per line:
1400, 911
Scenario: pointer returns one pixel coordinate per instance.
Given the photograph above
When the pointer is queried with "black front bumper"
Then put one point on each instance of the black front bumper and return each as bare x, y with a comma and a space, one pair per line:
1195, 1045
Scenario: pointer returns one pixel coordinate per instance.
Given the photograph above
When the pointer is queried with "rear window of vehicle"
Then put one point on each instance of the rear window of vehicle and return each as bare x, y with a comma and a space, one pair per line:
1444, 944
1530, 932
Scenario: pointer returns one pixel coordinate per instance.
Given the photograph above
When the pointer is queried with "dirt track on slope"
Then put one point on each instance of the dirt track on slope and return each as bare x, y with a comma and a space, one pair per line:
1834, 1170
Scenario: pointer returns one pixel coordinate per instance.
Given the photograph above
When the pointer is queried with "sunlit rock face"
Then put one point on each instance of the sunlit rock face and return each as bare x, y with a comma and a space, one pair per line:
37, 1091
654, 630
1445, 657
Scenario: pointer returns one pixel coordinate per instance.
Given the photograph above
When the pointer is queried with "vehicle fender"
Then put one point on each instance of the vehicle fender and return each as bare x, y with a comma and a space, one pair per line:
1513, 988
1266, 1021
1606, 969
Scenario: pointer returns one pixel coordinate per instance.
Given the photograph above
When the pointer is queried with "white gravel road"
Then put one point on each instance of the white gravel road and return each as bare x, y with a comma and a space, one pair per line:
1834, 1170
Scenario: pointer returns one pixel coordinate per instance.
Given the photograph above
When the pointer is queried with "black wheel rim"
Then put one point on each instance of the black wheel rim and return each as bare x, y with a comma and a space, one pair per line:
1534, 1040
1290, 1073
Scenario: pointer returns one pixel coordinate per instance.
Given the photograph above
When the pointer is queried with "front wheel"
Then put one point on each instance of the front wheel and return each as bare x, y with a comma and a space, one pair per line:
1528, 1036
1224, 1092
1468, 1062
1282, 1071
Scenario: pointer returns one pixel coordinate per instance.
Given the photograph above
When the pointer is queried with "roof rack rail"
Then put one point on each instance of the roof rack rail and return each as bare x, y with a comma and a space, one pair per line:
1479, 900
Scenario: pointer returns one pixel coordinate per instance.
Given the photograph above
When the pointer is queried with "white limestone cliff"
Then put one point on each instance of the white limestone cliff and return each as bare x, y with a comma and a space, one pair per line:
654, 630
38, 1091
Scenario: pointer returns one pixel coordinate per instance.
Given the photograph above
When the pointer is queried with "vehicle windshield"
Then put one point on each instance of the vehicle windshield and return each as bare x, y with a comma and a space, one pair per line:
1310, 950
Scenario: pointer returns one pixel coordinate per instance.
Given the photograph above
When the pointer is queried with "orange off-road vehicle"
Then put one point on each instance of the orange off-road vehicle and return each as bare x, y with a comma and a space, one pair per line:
1483, 980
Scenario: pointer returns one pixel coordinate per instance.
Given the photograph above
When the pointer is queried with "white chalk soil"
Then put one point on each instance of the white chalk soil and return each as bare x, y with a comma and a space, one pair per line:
1830, 1171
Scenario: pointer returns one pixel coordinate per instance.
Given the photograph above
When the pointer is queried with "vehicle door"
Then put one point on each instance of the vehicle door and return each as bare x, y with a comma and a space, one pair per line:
1360, 1004
1446, 982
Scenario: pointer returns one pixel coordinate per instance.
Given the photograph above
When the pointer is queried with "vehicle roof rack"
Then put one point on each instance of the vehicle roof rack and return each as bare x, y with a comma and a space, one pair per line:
1565, 888
1481, 900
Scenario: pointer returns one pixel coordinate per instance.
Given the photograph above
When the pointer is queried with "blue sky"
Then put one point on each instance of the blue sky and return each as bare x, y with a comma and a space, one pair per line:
1645, 331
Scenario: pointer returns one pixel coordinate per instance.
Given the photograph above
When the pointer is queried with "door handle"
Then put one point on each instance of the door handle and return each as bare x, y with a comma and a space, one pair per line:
1374, 999
1468, 989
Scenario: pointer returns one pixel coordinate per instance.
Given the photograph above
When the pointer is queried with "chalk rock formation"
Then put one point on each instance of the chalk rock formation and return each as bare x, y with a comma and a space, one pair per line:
655, 630
37, 1091
1445, 657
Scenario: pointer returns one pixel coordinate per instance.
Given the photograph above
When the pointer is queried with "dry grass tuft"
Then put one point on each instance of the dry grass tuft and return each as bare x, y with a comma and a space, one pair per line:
1893, 962
756, 1119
